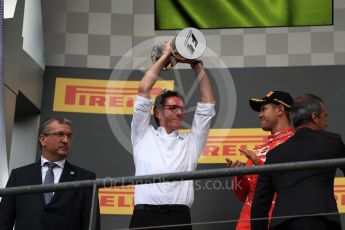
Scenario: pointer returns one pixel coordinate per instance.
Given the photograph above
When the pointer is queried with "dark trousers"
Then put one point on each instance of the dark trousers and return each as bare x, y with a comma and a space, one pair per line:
315, 223
158, 216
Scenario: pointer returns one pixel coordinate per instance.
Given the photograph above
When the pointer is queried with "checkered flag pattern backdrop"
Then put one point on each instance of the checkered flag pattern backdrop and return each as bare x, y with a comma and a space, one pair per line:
99, 33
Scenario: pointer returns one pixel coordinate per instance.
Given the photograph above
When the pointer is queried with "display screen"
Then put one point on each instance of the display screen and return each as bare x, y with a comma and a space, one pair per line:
217, 14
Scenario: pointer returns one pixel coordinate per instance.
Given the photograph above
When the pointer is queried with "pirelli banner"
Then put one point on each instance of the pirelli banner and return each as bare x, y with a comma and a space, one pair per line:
99, 103
99, 96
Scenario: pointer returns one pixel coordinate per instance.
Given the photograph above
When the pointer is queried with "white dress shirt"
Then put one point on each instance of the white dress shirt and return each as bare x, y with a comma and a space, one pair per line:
156, 152
56, 170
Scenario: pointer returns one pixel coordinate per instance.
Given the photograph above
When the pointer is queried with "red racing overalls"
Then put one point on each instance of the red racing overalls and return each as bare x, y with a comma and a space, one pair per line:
244, 186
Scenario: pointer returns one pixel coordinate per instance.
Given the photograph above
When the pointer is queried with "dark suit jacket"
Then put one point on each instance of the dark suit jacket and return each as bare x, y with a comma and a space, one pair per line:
68, 210
299, 192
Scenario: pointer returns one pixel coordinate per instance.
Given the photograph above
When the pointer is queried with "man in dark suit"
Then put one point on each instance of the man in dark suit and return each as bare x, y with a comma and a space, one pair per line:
64, 210
305, 199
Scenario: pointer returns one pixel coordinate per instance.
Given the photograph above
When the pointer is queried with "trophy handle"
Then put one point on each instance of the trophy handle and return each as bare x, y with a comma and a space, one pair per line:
157, 51
187, 46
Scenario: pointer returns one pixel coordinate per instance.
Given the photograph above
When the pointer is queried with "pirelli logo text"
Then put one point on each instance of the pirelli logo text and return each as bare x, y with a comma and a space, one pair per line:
116, 200
99, 96
223, 143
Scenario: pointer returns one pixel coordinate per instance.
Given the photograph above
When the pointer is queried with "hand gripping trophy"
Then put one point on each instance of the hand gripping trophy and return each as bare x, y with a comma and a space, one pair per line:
187, 46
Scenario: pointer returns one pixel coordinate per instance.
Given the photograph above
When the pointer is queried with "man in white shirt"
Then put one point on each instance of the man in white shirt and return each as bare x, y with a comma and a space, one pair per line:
165, 150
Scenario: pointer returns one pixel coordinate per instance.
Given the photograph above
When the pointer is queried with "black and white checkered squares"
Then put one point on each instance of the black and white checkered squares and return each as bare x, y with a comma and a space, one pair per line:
99, 33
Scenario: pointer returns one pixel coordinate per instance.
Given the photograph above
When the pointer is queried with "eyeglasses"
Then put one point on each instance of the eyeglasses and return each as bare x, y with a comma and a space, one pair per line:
174, 108
61, 135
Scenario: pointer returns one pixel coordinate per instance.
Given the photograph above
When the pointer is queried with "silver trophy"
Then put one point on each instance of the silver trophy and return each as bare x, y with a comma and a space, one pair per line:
188, 44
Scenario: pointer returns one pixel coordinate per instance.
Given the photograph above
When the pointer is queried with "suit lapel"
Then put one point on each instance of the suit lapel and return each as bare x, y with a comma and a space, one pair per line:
37, 178
37, 173
68, 174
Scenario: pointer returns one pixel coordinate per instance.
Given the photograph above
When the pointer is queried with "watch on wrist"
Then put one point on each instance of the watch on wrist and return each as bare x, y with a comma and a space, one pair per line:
193, 64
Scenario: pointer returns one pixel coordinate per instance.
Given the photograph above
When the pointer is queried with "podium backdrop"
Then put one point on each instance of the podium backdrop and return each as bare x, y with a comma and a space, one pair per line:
99, 102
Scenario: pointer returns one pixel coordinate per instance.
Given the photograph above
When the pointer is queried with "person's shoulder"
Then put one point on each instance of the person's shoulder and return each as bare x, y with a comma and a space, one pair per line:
26, 170
331, 135
26, 167
321, 136
309, 131
85, 173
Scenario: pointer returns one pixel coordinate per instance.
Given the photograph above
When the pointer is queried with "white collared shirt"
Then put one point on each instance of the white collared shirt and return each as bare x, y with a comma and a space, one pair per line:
156, 152
56, 170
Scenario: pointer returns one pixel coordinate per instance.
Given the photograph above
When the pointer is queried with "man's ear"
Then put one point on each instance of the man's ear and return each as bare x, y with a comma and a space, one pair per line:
281, 109
157, 113
41, 139
314, 118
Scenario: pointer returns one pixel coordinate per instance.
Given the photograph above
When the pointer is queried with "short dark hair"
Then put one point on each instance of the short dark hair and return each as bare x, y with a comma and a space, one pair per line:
303, 107
161, 100
43, 129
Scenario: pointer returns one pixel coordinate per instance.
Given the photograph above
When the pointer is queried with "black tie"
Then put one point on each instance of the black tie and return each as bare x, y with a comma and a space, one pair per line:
49, 179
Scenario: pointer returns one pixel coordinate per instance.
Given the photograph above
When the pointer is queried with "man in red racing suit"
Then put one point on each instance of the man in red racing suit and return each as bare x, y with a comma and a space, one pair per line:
273, 115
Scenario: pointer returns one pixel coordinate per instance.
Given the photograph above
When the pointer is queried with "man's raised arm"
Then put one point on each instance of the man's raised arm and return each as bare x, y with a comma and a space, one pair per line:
205, 87
151, 76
